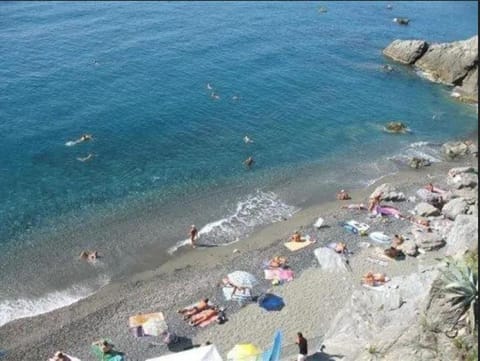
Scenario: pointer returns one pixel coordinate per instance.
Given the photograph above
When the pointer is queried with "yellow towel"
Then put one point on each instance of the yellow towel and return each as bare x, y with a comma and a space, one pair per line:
295, 246
139, 320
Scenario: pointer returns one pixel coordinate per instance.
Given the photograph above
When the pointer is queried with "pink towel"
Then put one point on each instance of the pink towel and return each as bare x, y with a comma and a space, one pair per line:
279, 274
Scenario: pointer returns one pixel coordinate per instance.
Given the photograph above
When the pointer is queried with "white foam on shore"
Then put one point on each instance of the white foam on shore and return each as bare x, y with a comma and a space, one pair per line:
24, 307
427, 150
257, 209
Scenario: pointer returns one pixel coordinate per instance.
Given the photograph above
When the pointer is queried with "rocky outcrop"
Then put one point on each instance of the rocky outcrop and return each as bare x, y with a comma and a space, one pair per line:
406, 51
417, 163
455, 207
453, 63
450, 63
428, 241
457, 149
464, 235
426, 210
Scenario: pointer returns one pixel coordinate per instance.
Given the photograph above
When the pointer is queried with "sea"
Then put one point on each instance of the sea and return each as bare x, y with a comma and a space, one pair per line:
168, 90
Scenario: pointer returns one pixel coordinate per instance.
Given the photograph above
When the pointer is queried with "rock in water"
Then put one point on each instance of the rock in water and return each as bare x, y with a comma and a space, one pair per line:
406, 51
417, 163
396, 127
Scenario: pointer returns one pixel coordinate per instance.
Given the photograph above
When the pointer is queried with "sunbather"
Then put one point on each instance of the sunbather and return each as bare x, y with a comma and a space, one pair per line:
204, 316
277, 261
60, 356
341, 248
393, 253
296, 237
373, 279
421, 221
89, 256
200, 306
104, 346
374, 202
343, 196
397, 240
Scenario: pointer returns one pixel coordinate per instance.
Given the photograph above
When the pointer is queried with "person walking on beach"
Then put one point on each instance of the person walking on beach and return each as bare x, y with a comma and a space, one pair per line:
302, 347
193, 235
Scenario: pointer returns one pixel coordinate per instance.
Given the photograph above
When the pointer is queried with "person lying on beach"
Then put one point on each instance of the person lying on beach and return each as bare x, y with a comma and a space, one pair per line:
343, 196
341, 248
60, 356
296, 237
421, 221
359, 206
397, 240
393, 253
204, 316
277, 261
89, 256
374, 279
374, 202
200, 306
431, 188
104, 346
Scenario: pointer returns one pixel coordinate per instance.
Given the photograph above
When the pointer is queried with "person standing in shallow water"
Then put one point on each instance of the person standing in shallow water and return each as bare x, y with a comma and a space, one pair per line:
193, 235
302, 347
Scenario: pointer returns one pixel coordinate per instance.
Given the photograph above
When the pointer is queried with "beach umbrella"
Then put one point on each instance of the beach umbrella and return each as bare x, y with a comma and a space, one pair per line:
242, 279
271, 302
244, 352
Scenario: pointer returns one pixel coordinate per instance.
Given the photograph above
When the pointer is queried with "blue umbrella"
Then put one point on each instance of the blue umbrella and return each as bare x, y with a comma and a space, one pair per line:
271, 302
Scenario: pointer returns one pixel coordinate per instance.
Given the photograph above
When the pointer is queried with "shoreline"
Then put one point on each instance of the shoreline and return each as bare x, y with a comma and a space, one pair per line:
192, 274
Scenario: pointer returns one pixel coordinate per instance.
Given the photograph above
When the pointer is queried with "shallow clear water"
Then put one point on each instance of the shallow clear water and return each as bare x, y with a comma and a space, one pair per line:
165, 153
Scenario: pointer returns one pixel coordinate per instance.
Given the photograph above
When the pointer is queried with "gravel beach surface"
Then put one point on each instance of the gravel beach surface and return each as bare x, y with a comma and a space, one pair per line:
311, 300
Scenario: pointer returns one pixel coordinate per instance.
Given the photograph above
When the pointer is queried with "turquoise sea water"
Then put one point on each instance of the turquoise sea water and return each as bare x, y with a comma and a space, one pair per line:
306, 86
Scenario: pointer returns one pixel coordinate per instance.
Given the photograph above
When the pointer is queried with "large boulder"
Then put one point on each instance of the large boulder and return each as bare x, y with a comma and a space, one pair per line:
330, 260
463, 180
389, 193
450, 62
406, 51
429, 197
428, 241
464, 235
468, 91
455, 207
426, 210
379, 321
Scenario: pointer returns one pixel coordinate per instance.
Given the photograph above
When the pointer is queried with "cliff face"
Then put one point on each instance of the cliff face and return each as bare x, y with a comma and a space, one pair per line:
453, 63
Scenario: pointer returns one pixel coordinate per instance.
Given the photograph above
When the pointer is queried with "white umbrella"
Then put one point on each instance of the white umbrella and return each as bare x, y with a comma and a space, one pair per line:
242, 279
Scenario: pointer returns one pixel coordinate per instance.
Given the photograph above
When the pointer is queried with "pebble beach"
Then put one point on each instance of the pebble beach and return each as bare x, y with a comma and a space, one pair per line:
312, 299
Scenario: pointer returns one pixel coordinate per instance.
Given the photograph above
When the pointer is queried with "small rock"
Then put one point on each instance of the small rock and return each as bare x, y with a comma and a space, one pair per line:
455, 149
425, 210
455, 207
389, 193
463, 180
459, 170
409, 248
417, 163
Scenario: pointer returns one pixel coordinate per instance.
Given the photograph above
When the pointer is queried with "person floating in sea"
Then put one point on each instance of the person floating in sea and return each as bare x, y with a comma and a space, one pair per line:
89, 256
235, 97
209, 87
247, 139
215, 96
193, 235
84, 159
83, 138
249, 162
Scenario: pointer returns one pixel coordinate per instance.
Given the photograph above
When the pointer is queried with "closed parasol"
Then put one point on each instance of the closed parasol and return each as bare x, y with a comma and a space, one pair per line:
242, 279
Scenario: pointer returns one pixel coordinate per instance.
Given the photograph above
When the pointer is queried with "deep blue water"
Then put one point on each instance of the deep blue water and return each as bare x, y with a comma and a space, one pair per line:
134, 74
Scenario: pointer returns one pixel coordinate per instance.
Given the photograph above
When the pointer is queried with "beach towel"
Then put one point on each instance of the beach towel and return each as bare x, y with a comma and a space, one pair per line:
355, 227
52, 359
148, 324
388, 211
279, 274
295, 246
377, 261
380, 237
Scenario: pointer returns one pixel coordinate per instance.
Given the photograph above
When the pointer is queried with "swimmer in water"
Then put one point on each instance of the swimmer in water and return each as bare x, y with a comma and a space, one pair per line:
85, 137
209, 87
215, 96
235, 97
84, 159
249, 162
247, 140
